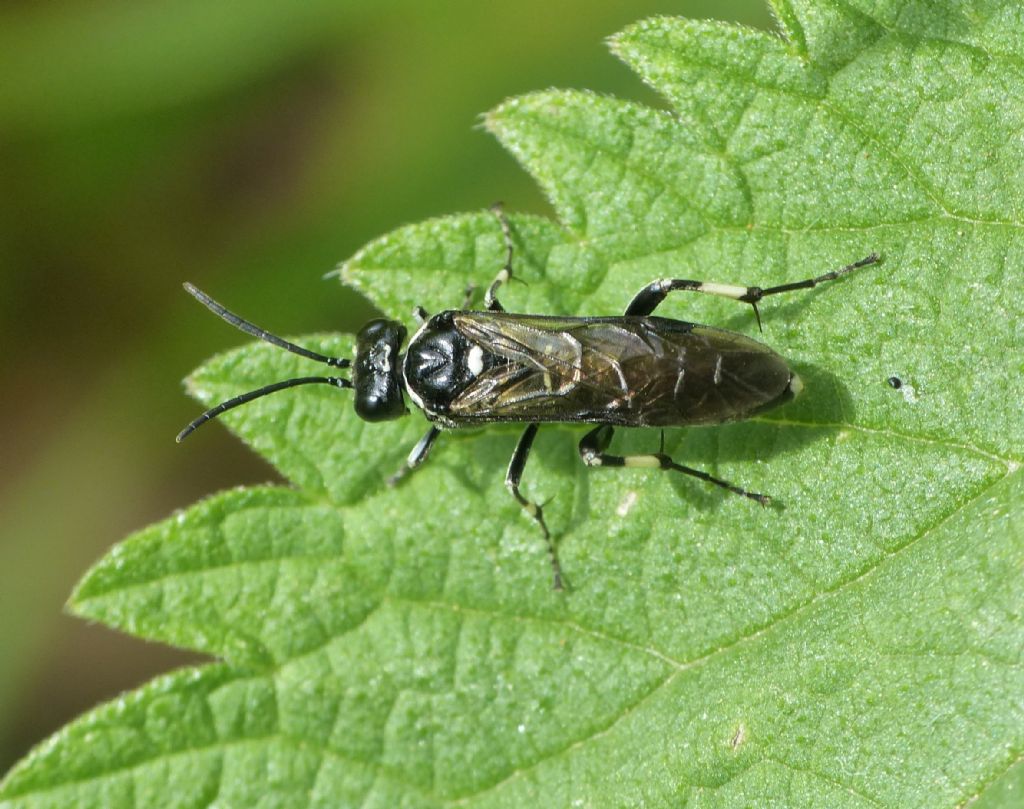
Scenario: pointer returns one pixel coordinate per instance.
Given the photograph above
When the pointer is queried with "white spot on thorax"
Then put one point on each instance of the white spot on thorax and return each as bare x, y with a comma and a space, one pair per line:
475, 361
718, 370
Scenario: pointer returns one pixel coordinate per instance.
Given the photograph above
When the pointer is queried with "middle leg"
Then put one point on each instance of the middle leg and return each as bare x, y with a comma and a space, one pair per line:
535, 510
417, 456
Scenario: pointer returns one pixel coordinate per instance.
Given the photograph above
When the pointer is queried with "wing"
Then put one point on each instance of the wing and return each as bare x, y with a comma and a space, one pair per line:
616, 370
549, 368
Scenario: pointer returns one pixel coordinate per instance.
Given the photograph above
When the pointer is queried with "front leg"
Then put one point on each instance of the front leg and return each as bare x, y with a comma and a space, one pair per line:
417, 456
505, 273
535, 510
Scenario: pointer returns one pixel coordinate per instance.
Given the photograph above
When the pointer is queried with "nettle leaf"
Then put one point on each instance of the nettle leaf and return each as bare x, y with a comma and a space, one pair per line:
860, 647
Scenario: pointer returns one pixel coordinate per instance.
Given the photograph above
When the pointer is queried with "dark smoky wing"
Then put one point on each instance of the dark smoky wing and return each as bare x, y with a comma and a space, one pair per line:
504, 393
532, 363
640, 371
550, 369
544, 343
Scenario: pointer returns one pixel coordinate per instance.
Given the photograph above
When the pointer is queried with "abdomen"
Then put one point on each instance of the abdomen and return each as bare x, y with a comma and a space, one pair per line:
702, 375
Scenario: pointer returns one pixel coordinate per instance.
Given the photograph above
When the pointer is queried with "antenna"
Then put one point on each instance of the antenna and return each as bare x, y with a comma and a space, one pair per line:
256, 331
215, 411
273, 339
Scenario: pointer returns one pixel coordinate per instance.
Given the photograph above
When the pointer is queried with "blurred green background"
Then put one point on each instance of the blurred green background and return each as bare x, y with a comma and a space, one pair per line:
247, 147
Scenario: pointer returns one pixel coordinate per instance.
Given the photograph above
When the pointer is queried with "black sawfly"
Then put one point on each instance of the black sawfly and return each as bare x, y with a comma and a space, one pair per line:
465, 368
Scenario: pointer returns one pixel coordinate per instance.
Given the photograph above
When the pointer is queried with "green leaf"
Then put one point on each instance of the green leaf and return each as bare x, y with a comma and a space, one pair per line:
860, 647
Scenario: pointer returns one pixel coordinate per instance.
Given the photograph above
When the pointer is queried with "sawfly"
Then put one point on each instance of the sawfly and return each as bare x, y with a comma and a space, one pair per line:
465, 368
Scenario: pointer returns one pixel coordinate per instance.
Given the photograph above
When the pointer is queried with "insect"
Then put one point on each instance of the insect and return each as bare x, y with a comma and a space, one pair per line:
464, 368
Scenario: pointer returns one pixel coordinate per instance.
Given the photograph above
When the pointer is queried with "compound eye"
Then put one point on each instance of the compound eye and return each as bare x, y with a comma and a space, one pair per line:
375, 374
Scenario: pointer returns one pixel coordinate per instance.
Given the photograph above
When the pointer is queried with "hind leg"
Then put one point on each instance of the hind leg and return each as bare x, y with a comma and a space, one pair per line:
594, 444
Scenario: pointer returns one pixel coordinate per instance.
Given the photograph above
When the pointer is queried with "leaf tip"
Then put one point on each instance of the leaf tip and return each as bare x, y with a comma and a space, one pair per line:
95, 584
636, 30
82, 603
627, 45
491, 120
788, 25
504, 120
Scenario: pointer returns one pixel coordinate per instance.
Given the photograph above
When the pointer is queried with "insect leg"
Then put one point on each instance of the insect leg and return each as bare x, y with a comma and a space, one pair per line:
505, 273
535, 510
650, 297
594, 444
417, 456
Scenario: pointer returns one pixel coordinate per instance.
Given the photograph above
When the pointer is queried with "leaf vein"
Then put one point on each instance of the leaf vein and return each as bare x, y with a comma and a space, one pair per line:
757, 633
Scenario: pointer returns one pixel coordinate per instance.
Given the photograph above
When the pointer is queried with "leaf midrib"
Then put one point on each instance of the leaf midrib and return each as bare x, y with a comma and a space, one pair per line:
1012, 464
678, 667
751, 637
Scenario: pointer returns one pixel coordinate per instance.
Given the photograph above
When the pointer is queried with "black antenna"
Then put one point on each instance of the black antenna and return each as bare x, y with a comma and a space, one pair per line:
256, 331
273, 339
213, 412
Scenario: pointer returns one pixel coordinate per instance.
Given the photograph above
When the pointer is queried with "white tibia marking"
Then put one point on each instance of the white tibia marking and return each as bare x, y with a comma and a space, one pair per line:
725, 290
641, 461
416, 450
475, 360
